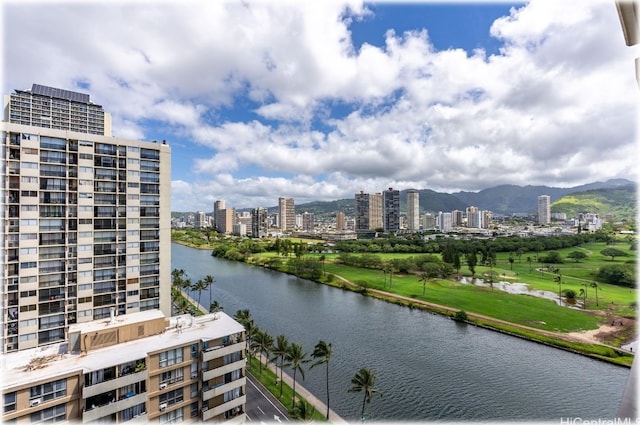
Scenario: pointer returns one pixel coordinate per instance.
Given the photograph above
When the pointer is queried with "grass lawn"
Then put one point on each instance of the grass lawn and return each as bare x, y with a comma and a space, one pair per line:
521, 309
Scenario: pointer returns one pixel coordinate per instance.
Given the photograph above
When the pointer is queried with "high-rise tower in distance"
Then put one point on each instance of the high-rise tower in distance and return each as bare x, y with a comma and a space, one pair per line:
86, 227
391, 210
544, 209
413, 209
287, 213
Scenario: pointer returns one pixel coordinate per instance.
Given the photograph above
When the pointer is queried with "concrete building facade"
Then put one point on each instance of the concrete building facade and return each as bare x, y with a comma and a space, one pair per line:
138, 366
86, 219
413, 210
286, 214
544, 209
391, 210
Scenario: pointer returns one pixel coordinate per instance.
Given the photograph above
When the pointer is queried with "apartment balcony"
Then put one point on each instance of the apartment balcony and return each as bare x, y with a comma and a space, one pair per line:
238, 419
221, 350
219, 371
113, 407
208, 394
113, 384
218, 410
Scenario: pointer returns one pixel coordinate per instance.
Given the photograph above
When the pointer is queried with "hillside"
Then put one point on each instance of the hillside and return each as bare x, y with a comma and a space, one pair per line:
621, 202
510, 199
616, 196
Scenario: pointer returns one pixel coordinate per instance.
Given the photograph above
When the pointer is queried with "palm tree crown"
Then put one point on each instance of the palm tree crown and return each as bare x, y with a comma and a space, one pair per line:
364, 380
295, 358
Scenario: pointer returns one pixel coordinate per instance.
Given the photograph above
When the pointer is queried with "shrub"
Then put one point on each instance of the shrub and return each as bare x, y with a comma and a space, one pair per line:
460, 316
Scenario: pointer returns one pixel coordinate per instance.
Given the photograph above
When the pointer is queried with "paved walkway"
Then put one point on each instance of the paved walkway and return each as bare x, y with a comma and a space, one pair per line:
304, 393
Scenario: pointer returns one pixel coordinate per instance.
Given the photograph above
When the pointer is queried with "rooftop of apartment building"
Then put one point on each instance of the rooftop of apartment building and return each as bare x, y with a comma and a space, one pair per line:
40, 363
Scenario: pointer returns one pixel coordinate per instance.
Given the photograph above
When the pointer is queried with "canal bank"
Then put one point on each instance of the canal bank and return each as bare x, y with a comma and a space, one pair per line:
428, 367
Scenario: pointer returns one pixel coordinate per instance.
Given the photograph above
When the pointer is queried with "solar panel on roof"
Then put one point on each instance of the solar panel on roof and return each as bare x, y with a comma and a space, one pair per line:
59, 93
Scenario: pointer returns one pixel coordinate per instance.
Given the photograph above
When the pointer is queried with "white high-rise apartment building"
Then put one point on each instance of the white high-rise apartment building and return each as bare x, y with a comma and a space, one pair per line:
544, 209
413, 209
87, 217
444, 221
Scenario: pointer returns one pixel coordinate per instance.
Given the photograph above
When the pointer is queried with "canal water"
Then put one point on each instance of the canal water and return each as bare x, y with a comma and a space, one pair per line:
428, 367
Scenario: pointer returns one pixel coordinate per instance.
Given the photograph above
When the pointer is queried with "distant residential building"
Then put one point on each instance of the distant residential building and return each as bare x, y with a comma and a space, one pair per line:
286, 214
239, 229
225, 219
341, 221
559, 216
391, 210
544, 209
457, 218
308, 223
485, 223
140, 366
413, 210
217, 206
429, 221
201, 220
473, 217
368, 211
444, 221
57, 109
259, 223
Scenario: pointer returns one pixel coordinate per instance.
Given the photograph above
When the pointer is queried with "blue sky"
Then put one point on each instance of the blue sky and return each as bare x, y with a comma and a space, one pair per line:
319, 100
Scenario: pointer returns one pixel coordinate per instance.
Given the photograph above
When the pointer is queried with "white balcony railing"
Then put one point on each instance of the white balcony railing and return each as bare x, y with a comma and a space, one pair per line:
219, 371
210, 393
218, 410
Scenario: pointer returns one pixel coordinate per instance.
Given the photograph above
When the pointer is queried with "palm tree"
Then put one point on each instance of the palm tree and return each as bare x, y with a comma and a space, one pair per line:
244, 318
280, 350
295, 358
424, 277
595, 285
322, 352
264, 343
364, 380
558, 279
209, 280
303, 410
199, 286
215, 307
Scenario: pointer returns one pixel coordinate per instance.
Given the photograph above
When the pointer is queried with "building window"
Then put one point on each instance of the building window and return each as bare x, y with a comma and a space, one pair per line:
9, 402
49, 391
53, 414
170, 357
172, 397
174, 416
172, 376
194, 409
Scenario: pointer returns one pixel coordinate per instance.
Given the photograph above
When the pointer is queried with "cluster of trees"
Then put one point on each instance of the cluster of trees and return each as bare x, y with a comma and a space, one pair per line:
292, 355
179, 280
416, 243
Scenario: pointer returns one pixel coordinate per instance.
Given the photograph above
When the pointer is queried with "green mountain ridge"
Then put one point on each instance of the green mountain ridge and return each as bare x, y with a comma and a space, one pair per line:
620, 201
616, 196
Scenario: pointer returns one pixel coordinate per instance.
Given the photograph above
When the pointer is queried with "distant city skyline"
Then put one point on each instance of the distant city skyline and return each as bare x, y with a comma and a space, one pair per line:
365, 96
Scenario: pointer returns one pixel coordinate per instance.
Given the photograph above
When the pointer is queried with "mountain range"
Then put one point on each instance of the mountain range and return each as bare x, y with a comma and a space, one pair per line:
506, 199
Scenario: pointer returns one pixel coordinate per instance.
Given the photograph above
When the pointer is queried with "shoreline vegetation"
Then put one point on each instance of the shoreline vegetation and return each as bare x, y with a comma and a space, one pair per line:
576, 335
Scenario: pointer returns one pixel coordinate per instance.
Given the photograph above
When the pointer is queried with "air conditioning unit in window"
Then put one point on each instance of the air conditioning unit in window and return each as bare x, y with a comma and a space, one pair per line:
163, 386
163, 406
35, 402
194, 375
